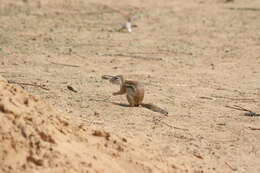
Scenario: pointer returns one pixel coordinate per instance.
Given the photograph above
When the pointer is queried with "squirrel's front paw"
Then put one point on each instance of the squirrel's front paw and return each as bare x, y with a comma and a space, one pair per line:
114, 94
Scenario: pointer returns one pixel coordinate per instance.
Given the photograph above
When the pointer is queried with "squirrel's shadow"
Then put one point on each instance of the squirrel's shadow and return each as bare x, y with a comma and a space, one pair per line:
120, 104
143, 105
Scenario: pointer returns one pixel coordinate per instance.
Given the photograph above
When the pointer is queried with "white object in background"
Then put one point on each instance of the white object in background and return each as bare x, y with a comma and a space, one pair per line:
128, 26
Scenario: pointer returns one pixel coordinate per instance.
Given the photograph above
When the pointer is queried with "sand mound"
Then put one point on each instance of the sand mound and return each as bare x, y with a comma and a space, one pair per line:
36, 137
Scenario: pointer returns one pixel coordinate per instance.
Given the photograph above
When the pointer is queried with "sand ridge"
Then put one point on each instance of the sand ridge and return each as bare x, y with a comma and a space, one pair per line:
35, 137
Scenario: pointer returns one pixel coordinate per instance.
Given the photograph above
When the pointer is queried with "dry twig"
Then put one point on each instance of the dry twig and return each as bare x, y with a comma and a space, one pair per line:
29, 84
253, 128
71, 89
236, 99
233, 169
134, 56
69, 65
248, 112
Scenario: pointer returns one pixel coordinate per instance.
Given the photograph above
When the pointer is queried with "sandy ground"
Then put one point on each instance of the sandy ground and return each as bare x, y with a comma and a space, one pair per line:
195, 57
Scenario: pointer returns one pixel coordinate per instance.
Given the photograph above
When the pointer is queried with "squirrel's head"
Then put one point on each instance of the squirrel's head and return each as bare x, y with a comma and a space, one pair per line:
117, 79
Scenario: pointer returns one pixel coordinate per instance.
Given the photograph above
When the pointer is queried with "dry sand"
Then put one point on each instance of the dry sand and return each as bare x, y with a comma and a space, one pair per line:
195, 57
35, 137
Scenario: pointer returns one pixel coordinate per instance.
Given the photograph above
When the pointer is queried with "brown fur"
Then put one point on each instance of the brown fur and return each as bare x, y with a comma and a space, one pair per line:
134, 92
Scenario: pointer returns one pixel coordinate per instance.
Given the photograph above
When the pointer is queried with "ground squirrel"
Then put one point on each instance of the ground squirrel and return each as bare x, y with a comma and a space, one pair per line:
134, 92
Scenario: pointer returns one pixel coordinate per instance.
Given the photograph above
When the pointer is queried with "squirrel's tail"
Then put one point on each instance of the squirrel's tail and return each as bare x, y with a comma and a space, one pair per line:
107, 77
155, 108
